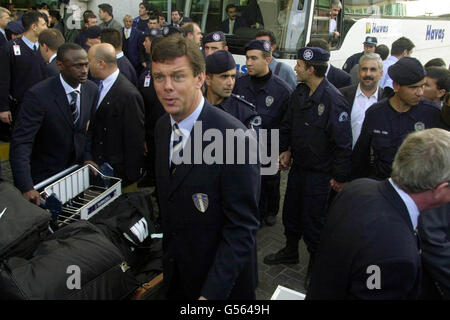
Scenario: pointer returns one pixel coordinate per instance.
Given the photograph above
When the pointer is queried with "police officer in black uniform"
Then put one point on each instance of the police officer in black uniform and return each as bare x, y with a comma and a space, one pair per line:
270, 94
388, 122
369, 47
221, 77
316, 134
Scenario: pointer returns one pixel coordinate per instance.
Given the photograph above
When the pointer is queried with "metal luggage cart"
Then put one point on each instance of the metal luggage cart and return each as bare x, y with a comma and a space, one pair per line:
81, 193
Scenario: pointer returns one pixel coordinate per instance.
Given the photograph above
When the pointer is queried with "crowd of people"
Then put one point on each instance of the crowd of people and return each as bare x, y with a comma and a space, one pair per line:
365, 153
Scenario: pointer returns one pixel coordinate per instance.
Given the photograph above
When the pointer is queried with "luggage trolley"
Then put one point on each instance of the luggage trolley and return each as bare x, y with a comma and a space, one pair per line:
78, 193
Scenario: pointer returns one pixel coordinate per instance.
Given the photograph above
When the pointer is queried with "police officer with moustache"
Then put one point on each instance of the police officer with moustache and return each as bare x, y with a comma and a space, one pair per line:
221, 77
316, 134
270, 94
388, 122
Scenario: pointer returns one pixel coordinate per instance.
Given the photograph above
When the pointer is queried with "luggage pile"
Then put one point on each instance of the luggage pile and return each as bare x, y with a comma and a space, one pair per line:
116, 254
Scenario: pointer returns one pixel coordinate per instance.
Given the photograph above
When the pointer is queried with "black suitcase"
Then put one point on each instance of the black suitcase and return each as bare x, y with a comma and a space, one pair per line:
23, 225
76, 263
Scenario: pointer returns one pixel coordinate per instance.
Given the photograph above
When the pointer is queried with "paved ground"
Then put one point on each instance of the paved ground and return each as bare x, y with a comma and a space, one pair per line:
269, 240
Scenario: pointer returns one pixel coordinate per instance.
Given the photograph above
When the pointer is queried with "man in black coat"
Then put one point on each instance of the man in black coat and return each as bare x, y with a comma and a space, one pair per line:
369, 248
335, 76
114, 38
234, 22
49, 42
21, 65
209, 224
50, 132
116, 133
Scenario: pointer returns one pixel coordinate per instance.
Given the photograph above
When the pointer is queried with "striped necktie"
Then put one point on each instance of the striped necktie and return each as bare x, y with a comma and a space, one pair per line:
177, 146
73, 107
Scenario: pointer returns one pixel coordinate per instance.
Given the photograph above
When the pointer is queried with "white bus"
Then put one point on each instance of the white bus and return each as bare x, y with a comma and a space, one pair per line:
295, 22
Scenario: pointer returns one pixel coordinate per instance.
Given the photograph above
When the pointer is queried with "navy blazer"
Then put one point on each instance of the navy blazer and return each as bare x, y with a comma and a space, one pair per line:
44, 140
210, 253
239, 23
127, 69
131, 46
338, 77
368, 225
52, 69
3, 40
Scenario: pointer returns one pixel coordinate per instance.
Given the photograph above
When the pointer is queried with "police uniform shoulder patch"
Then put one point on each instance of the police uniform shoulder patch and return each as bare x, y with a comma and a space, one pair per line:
419, 126
241, 99
320, 109
343, 116
201, 201
269, 101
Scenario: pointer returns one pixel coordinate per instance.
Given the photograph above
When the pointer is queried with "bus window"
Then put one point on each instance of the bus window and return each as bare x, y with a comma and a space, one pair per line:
326, 22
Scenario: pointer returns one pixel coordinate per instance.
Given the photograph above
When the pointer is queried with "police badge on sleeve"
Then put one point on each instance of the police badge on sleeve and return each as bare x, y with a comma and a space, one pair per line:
201, 201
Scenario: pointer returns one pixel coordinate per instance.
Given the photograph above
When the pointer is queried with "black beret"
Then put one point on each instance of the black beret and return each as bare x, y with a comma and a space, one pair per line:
154, 32
169, 30
215, 36
93, 32
407, 71
15, 27
262, 45
371, 41
219, 62
313, 54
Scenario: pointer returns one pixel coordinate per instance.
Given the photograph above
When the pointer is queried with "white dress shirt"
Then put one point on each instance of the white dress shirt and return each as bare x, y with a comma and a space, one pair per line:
107, 84
185, 126
359, 108
69, 90
409, 203
333, 25
53, 57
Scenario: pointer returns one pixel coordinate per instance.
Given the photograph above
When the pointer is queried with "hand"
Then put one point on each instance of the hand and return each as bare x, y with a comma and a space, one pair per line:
336, 34
337, 186
202, 298
285, 160
145, 149
6, 117
33, 196
92, 163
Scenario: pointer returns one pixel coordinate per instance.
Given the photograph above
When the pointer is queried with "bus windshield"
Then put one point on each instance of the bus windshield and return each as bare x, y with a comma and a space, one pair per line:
287, 19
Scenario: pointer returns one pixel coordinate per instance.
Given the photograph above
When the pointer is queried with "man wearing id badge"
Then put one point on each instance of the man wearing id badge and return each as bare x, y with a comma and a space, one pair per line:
21, 66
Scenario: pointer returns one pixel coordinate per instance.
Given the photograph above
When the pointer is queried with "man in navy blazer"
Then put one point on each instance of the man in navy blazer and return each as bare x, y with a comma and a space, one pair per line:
132, 39
335, 76
50, 132
239, 22
209, 224
369, 248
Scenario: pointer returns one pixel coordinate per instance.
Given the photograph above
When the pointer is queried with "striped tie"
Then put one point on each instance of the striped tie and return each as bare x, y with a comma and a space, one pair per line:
177, 146
73, 107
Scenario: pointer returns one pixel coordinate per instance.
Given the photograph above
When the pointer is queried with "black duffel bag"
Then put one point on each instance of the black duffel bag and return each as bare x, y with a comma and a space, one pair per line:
23, 225
76, 263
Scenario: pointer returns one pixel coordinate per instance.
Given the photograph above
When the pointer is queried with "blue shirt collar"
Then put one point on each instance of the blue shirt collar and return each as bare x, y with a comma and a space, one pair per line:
409, 203
29, 43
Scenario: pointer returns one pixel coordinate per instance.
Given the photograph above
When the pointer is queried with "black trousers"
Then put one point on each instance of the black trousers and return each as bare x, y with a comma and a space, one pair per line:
269, 202
304, 208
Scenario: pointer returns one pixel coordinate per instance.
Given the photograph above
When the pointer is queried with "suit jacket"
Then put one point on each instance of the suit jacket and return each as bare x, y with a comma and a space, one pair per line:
3, 40
131, 46
239, 23
45, 141
338, 78
349, 93
116, 133
368, 226
209, 253
127, 69
51, 69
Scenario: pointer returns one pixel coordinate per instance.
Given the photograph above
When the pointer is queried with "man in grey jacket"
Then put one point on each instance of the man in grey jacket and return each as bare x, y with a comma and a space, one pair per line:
105, 13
